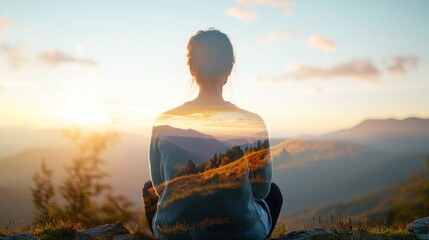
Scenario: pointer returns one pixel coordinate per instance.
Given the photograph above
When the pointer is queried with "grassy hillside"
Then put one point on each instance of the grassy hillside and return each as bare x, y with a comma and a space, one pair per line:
371, 207
325, 181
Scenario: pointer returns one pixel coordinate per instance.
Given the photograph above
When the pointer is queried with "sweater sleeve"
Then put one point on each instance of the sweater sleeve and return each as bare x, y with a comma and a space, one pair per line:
155, 161
261, 166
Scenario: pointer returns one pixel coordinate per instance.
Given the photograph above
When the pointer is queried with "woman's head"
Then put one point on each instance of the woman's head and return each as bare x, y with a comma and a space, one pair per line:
210, 56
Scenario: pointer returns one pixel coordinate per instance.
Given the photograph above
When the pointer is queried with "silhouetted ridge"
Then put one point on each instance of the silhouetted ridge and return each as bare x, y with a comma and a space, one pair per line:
384, 128
172, 131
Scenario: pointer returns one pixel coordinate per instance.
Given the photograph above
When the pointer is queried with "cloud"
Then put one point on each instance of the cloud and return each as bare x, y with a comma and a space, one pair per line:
15, 56
243, 9
55, 58
361, 70
244, 2
322, 43
241, 13
401, 64
285, 6
273, 37
5, 24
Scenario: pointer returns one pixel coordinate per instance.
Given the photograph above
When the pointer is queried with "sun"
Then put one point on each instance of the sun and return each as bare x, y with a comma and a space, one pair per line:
87, 115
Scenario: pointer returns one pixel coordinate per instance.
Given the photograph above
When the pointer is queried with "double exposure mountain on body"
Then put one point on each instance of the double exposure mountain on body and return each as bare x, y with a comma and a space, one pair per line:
225, 152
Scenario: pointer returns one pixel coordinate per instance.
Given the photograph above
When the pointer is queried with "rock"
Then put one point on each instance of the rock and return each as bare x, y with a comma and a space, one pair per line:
305, 234
19, 236
125, 237
105, 232
420, 228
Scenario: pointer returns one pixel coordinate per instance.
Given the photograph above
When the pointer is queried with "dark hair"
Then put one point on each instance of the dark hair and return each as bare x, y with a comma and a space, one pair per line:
210, 52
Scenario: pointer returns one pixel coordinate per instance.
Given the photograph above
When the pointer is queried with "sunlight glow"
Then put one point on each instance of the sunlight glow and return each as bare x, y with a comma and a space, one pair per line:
86, 115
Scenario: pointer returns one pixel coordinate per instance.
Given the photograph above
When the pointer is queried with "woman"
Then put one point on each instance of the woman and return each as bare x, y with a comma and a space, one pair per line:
210, 161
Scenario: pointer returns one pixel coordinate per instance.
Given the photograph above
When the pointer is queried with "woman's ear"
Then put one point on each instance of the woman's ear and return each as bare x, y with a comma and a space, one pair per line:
193, 71
227, 73
194, 74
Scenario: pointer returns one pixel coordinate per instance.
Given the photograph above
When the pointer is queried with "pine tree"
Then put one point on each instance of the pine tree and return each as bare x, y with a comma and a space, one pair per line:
216, 161
83, 184
258, 146
225, 161
82, 187
43, 194
192, 168
246, 150
266, 144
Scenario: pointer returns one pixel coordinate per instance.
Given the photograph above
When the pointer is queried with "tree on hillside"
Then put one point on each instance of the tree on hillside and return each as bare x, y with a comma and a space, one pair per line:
188, 169
413, 202
223, 159
83, 181
231, 155
83, 186
43, 195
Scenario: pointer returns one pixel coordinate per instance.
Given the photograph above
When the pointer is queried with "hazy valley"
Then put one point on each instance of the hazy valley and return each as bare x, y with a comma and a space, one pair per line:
357, 167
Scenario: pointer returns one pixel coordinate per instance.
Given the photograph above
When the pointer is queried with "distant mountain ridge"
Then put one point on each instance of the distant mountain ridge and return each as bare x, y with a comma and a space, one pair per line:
299, 152
202, 145
347, 163
179, 132
15, 140
384, 128
410, 134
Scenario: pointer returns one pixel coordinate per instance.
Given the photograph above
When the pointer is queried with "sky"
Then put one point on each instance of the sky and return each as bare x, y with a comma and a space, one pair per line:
306, 67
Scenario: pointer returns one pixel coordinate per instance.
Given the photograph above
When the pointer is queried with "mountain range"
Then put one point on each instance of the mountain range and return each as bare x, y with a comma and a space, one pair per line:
312, 172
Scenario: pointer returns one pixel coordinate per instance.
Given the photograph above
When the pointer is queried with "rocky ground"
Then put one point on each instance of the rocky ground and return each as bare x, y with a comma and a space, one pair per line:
418, 230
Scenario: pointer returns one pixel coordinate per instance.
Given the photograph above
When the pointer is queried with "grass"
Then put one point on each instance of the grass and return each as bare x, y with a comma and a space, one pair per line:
279, 230
370, 234
49, 231
344, 230
211, 181
59, 230
9, 228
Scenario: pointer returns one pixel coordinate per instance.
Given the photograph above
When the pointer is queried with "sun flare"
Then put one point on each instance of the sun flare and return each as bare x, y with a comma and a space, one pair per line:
86, 115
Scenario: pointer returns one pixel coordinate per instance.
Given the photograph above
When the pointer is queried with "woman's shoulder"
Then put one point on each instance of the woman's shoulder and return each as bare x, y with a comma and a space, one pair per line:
212, 116
196, 108
222, 120
252, 115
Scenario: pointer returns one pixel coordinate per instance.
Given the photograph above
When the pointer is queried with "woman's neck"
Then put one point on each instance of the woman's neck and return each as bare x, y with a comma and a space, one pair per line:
210, 94
210, 88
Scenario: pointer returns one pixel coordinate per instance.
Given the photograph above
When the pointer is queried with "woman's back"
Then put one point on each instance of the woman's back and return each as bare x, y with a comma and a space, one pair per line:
210, 160
210, 164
